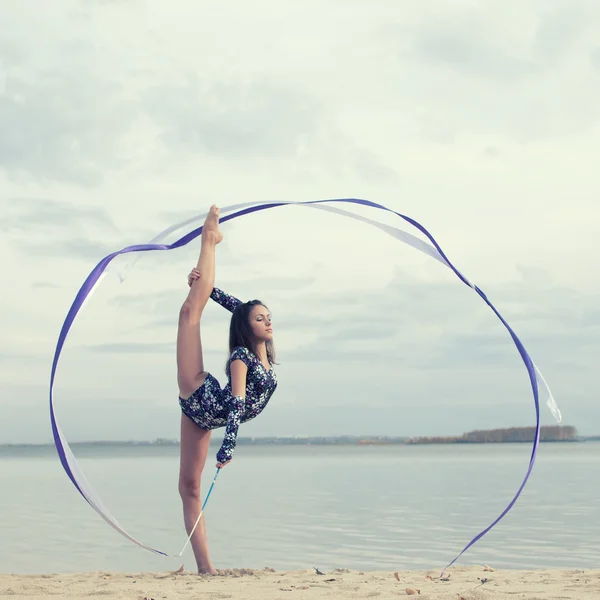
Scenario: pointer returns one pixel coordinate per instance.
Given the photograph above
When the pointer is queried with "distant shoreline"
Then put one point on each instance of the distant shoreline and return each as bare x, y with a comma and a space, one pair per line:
497, 436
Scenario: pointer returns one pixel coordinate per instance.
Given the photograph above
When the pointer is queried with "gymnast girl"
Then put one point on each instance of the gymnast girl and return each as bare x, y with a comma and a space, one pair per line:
251, 381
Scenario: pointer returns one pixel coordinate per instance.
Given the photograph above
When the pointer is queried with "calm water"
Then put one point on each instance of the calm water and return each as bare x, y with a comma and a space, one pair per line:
364, 508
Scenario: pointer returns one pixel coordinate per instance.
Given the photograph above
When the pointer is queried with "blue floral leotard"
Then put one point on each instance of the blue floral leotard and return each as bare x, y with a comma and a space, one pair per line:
211, 407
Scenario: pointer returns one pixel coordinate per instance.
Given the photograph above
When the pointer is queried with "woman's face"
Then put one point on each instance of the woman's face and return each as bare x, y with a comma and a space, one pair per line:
260, 322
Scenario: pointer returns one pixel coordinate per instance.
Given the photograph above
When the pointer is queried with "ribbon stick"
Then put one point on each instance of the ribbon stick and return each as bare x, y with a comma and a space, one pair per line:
429, 247
210, 489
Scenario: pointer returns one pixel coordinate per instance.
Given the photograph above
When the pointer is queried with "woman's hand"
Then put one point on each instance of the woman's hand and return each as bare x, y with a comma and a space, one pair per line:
221, 465
193, 276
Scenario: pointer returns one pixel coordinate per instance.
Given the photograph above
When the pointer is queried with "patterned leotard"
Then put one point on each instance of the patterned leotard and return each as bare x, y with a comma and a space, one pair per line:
211, 407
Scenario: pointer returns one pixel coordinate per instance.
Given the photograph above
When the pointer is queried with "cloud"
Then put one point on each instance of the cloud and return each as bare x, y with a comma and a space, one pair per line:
515, 75
501, 48
52, 229
459, 42
62, 122
44, 285
439, 326
162, 302
20, 357
73, 248
72, 114
371, 166
132, 348
257, 117
161, 307
42, 213
559, 28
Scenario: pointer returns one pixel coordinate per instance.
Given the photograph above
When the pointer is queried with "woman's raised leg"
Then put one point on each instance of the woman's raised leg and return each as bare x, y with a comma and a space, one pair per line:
190, 365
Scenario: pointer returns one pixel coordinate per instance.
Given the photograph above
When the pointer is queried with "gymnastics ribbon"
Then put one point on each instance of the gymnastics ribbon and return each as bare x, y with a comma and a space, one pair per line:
433, 249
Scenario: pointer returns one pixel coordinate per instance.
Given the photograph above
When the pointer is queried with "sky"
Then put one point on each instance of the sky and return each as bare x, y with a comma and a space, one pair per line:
479, 120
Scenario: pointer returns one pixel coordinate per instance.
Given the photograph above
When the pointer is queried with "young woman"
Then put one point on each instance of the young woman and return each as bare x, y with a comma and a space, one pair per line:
205, 406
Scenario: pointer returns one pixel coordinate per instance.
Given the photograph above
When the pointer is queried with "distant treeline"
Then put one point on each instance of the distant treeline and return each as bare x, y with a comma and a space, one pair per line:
551, 433
487, 436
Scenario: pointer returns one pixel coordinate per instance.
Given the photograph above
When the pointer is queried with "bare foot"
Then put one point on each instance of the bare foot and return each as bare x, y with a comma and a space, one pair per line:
211, 226
208, 571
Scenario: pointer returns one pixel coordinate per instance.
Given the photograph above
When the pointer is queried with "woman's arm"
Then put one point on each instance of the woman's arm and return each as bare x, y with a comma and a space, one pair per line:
226, 300
239, 371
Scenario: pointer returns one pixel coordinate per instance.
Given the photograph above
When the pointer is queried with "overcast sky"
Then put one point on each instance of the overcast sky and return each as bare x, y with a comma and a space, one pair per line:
120, 118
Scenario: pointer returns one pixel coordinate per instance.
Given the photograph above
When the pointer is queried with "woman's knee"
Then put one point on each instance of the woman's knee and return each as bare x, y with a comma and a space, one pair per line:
190, 312
189, 487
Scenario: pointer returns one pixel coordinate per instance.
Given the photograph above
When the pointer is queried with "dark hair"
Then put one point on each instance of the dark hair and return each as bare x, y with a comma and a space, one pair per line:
240, 332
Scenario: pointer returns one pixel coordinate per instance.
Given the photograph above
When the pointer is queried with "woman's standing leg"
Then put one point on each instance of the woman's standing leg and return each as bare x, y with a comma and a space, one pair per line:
190, 376
194, 449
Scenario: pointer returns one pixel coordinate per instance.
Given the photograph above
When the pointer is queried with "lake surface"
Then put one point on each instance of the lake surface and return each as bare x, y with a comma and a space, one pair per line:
298, 507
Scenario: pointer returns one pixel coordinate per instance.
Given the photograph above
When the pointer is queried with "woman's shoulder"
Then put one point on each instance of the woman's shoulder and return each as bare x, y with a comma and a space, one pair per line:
241, 353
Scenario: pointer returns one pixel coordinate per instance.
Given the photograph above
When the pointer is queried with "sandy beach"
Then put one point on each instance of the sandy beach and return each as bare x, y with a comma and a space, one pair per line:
466, 583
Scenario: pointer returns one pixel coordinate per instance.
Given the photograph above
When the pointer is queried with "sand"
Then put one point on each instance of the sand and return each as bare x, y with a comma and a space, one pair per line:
467, 583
